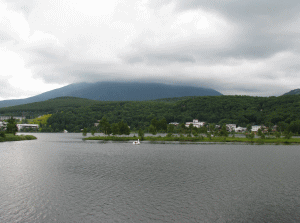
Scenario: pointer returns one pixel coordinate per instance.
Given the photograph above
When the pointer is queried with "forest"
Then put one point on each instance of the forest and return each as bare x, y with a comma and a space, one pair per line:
74, 114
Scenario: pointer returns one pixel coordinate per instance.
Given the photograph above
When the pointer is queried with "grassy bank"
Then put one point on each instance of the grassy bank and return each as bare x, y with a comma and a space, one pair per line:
11, 137
200, 139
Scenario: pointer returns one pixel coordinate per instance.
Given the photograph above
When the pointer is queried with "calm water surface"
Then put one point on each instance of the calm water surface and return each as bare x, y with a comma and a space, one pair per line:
61, 178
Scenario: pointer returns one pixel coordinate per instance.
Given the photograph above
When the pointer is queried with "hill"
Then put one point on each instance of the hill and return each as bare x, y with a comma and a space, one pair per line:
293, 92
74, 114
48, 106
116, 91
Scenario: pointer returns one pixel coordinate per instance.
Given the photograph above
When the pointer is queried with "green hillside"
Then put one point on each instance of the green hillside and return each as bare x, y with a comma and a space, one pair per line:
49, 106
74, 114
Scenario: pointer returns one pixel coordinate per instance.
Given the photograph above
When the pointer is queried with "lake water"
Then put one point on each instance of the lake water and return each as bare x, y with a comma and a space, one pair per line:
60, 178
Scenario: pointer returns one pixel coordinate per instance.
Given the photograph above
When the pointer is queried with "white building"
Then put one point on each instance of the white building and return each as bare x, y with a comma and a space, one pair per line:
240, 129
174, 123
255, 128
21, 126
195, 123
231, 127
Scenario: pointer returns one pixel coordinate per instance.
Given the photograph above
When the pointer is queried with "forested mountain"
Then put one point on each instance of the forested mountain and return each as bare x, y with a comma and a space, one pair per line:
293, 92
74, 114
116, 91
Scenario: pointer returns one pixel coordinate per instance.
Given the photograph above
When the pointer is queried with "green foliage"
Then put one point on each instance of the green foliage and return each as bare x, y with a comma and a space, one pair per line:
195, 132
12, 137
93, 130
249, 128
287, 134
115, 129
251, 136
171, 128
277, 135
11, 126
2, 134
152, 130
182, 128
223, 131
241, 110
259, 132
123, 128
141, 134
84, 131
170, 134
233, 134
105, 126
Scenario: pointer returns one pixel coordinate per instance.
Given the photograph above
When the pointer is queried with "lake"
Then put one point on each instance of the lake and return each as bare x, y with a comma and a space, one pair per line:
61, 178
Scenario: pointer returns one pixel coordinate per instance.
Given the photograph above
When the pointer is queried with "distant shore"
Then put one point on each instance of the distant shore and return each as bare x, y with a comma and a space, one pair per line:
198, 139
11, 137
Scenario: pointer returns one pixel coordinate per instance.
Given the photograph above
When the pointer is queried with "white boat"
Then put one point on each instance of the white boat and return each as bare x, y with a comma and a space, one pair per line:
136, 142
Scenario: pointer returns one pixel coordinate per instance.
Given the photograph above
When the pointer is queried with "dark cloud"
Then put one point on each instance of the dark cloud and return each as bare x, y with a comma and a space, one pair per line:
159, 58
263, 26
246, 10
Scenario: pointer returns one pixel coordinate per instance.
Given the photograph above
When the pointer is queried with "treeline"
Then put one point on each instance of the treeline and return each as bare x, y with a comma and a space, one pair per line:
74, 114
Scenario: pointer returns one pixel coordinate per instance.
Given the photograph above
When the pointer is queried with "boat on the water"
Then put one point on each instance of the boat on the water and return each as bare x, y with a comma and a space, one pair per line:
136, 142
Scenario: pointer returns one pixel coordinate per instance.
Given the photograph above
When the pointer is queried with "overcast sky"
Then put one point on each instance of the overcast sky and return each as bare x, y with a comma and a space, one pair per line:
243, 47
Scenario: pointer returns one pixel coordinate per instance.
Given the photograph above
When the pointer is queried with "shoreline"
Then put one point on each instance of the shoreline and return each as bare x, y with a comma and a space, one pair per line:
205, 140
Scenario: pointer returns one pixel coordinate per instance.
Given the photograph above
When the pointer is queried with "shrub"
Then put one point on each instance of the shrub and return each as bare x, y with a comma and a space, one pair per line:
2, 134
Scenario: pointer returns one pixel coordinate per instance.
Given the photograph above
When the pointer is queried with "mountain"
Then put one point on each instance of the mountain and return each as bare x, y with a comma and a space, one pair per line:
117, 91
293, 92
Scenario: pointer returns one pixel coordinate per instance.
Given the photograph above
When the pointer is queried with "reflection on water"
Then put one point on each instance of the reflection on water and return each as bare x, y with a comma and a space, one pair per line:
61, 178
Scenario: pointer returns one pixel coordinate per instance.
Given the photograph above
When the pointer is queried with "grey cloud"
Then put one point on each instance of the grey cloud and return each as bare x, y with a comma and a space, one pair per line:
20, 5
246, 9
262, 25
159, 58
4, 37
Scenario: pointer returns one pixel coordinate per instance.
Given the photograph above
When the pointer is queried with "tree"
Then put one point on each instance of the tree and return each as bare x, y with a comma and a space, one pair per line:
163, 125
171, 128
105, 126
203, 129
195, 132
141, 134
123, 128
294, 127
190, 127
259, 132
155, 123
224, 131
115, 129
249, 128
11, 126
93, 130
211, 127
2, 134
277, 135
287, 134
152, 130
182, 128
251, 136
84, 131
281, 126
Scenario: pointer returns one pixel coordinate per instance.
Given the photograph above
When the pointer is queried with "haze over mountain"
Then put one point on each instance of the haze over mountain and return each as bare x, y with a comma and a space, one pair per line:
117, 91
293, 92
